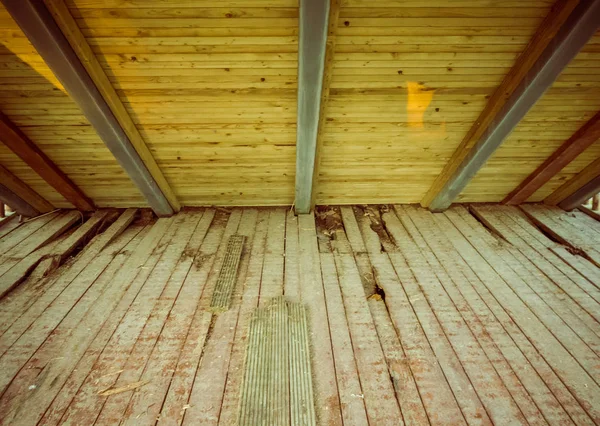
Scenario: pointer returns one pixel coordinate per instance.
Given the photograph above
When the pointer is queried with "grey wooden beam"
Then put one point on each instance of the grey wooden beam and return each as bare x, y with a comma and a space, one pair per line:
17, 203
42, 31
580, 196
577, 30
314, 16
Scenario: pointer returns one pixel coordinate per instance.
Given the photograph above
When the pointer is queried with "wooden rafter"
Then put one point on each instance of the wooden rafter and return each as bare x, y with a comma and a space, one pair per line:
567, 152
46, 36
24, 192
72, 32
22, 146
566, 29
578, 189
314, 16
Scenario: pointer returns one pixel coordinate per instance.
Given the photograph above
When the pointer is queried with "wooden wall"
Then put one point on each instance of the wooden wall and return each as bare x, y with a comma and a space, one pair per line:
408, 83
211, 88
35, 101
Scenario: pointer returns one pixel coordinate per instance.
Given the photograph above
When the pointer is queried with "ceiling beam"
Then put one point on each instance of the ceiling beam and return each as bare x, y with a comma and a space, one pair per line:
72, 32
19, 196
563, 33
334, 13
578, 189
312, 42
25, 149
43, 32
567, 152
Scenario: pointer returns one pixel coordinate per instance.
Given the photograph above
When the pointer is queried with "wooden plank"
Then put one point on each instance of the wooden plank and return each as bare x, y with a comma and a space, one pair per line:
312, 45
421, 231
580, 290
210, 382
551, 348
556, 29
488, 388
349, 386
273, 265
53, 340
430, 371
58, 253
542, 301
9, 224
545, 387
312, 295
98, 314
291, 284
42, 236
78, 42
24, 192
146, 404
378, 391
562, 231
120, 348
35, 158
134, 365
565, 154
584, 325
24, 315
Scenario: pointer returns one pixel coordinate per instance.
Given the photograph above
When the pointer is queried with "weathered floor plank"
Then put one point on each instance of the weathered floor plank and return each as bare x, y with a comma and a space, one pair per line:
413, 318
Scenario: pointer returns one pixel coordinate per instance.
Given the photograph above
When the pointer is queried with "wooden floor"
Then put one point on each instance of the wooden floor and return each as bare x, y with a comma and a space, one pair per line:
480, 316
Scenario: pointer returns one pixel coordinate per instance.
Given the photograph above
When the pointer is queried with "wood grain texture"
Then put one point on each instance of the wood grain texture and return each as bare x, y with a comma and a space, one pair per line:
540, 40
72, 32
21, 145
589, 173
20, 188
575, 145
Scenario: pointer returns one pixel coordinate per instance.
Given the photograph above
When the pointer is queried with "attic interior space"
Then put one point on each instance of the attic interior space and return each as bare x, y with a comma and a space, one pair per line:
299, 212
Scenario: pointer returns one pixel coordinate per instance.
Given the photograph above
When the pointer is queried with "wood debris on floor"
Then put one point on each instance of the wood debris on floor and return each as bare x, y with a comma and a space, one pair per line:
479, 315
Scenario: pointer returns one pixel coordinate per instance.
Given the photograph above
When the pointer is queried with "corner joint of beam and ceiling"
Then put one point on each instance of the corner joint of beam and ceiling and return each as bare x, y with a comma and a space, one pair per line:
316, 44
583, 138
562, 34
578, 189
20, 197
15, 140
58, 39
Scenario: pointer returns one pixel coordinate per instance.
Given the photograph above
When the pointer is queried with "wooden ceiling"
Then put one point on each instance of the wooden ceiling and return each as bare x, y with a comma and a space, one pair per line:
212, 91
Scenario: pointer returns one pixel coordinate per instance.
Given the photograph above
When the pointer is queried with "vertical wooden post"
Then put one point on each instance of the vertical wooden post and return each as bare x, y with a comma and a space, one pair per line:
2, 212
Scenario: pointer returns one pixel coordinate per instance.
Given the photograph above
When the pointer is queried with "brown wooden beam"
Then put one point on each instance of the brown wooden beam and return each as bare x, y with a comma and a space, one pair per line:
21, 145
24, 192
577, 190
566, 29
568, 151
16, 203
